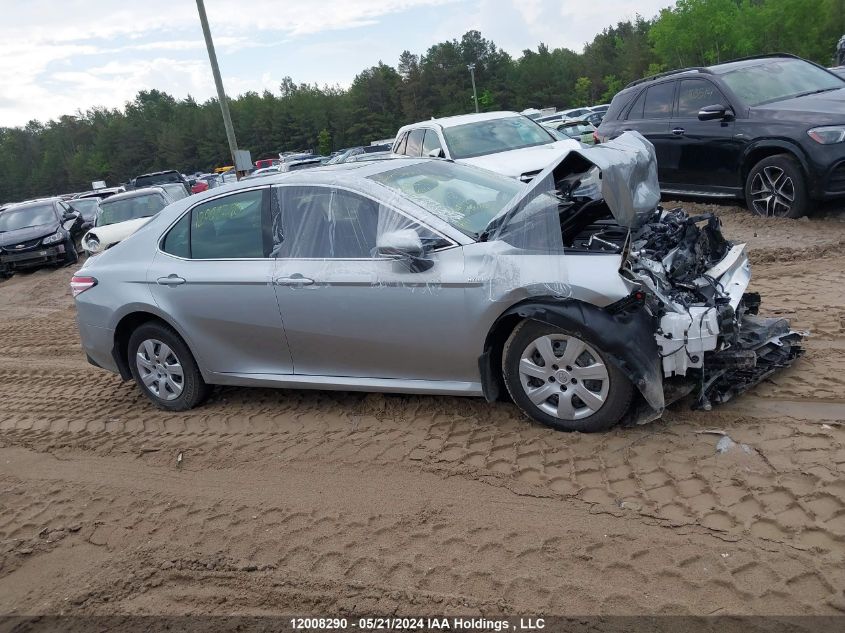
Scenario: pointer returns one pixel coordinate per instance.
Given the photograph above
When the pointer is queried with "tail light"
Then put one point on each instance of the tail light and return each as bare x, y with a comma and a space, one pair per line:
79, 284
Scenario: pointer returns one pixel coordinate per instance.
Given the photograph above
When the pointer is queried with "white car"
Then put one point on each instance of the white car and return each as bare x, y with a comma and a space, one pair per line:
505, 142
123, 214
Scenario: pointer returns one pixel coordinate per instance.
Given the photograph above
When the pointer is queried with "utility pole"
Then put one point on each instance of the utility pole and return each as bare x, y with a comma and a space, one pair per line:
471, 74
221, 94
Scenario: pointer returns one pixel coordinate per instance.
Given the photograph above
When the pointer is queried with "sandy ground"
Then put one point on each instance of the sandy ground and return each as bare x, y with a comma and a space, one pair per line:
332, 503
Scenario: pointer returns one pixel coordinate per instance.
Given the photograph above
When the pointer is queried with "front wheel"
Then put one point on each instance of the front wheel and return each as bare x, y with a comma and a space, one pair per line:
164, 368
776, 188
562, 381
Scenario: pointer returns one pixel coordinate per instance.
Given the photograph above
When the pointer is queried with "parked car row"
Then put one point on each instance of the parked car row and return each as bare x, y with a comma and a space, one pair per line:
37, 233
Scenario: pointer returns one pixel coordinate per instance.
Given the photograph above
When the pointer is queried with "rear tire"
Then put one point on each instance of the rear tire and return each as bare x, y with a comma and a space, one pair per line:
164, 368
563, 381
776, 187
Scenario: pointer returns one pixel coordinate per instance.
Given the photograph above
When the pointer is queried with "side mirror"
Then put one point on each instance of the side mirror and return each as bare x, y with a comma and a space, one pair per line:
69, 215
436, 153
404, 245
716, 112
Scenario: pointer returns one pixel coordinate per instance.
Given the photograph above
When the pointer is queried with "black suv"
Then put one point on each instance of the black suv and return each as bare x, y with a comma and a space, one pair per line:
160, 178
769, 129
38, 232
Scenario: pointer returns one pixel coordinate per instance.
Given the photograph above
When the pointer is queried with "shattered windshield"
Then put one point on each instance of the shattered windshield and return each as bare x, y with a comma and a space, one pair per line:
112, 212
464, 197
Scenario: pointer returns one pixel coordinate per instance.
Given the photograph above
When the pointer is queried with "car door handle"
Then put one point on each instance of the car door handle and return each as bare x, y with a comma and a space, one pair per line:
293, 280
171, 280
678, 131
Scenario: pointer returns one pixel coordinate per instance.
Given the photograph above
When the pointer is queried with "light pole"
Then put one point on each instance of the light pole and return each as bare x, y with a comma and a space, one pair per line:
474, 93
221, 94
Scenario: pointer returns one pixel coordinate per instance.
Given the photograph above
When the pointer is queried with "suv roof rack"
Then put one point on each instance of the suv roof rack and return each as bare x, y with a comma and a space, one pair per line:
668, 73
707, 69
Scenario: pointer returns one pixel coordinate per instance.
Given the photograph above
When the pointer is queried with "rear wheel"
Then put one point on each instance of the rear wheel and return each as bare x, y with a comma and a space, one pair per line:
164, 368
562, 381
776, 187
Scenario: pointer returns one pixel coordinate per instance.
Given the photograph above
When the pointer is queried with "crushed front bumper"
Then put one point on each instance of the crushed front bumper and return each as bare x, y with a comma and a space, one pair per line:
762, 346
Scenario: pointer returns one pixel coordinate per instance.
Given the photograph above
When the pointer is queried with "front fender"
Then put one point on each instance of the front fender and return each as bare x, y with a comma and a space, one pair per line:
626, 336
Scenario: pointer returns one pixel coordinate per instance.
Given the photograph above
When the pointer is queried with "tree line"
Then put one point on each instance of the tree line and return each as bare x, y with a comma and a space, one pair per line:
157, 131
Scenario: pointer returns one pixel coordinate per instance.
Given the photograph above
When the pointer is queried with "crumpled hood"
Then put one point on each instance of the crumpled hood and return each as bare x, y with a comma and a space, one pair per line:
519, 161
626, 179
113, 233
10, 238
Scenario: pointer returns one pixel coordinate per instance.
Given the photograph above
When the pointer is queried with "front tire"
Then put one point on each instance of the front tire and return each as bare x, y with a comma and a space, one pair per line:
776, 188
563, 381
164, 368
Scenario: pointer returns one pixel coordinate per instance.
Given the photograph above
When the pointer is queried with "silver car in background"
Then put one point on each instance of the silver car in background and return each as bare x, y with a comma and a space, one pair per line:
575, 294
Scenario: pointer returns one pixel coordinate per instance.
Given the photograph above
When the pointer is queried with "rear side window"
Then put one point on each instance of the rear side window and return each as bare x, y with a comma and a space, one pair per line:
415, 141
659, 100
431, 142
636, 111
400, 145
177, 241
695, 94
233, 227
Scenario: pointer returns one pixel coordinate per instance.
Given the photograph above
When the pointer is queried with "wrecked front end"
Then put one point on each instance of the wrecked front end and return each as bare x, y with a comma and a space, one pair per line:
689, 281
711, 339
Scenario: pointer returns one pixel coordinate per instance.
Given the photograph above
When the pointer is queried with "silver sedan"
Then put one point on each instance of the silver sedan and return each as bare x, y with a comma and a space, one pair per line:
421, 276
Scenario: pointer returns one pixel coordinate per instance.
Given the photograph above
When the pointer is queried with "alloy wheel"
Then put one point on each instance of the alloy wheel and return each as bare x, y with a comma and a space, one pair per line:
564, 376
159, 369
772, 192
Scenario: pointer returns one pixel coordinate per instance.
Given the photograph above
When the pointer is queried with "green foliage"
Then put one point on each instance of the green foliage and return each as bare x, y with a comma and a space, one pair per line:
324, 142
156, 131
582, 95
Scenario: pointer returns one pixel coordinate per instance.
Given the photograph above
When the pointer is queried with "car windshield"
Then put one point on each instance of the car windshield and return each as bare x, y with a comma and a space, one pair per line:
86, 206
493, 136
575, 130
145, 181
114, 211
779, 79
464, 197
14, 219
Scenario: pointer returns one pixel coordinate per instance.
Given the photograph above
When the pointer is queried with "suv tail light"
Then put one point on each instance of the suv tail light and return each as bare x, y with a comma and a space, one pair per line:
79, 284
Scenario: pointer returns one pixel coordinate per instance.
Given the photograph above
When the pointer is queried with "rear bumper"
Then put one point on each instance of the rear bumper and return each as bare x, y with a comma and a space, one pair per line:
98, 342
33, 258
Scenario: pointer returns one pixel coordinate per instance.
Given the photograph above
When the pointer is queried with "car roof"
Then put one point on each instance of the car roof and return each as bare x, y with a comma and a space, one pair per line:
158, 173
135, 193
716, 69
462, 119
32, 203
339, 174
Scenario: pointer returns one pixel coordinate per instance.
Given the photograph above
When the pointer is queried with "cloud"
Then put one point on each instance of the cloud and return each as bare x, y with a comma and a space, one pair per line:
60, 56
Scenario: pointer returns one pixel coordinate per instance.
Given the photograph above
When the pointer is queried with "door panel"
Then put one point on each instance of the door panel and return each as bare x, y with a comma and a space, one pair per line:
348, 312
650, 116
708, 155
214, 279
376, 319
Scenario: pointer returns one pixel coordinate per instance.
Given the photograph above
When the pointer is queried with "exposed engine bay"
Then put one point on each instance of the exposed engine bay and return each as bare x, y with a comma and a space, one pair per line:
712, 341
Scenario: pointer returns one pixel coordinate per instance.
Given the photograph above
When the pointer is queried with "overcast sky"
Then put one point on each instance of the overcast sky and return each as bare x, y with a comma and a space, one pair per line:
60, 56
